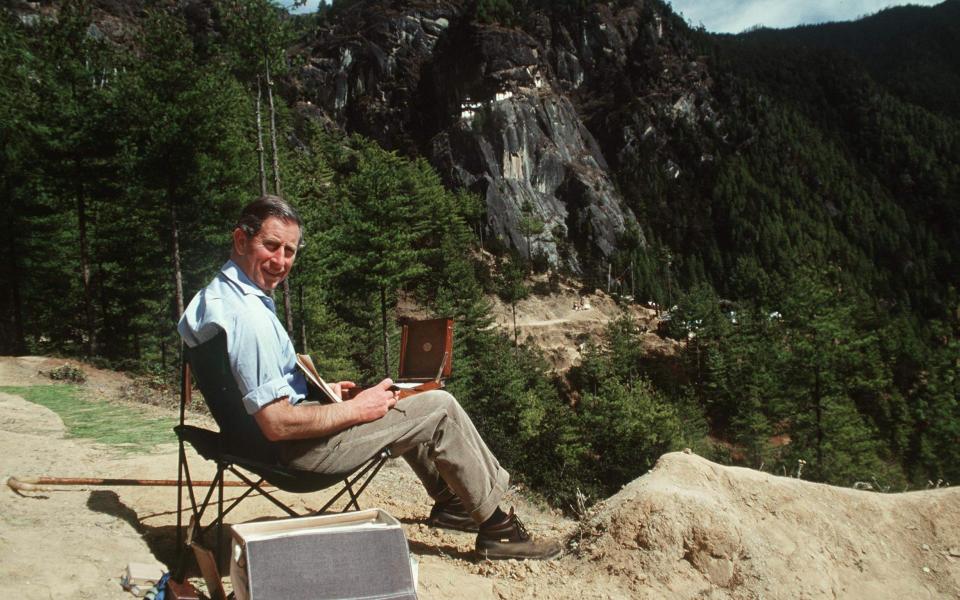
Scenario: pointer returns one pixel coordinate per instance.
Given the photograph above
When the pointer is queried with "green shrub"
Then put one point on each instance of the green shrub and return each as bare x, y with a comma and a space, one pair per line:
68, 373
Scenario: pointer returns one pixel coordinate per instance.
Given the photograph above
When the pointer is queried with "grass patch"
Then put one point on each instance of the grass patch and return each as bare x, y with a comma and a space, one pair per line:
103, 422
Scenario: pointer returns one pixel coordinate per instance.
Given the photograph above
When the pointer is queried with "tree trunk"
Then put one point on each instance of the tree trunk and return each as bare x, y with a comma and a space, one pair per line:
273, 129
91, 344
383, 319
101, 305
818, 407
263, 168
287, 305
669, 288
175, 254
303, 319
163, 354
516, 334
18, 345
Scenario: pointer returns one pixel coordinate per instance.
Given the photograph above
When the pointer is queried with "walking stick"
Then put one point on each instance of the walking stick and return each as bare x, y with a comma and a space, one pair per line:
35, 484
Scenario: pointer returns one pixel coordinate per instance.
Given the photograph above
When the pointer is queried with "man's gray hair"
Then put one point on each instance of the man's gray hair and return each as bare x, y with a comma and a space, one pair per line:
254, 214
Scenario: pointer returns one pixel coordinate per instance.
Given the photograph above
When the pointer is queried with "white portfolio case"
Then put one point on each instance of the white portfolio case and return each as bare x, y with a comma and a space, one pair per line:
360, 554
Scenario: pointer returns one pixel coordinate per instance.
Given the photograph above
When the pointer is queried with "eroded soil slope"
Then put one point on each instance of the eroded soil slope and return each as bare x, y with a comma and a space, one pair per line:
692, 528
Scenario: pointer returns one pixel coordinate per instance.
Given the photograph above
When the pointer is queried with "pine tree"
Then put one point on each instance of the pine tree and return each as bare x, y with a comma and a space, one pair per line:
825, 365
256, 40
182, 116
933, 453
311, 186
72, 66
530, 226
16, 158
627, 427
512, 289
373, 245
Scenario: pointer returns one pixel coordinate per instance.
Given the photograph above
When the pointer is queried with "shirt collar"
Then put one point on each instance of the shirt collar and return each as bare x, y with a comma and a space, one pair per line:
235, 274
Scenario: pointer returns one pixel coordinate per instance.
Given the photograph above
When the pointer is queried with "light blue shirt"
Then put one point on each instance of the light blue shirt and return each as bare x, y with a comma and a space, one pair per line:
262, 356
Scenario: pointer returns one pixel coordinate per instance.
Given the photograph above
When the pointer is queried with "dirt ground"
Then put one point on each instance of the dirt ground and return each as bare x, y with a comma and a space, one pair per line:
562, 322
76, 541
688, 529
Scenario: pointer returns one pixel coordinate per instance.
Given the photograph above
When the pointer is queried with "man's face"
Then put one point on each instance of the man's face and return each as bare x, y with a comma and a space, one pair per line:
267, 257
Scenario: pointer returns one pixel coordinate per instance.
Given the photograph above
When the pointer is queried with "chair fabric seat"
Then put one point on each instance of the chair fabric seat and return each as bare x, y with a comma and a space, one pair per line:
208, 443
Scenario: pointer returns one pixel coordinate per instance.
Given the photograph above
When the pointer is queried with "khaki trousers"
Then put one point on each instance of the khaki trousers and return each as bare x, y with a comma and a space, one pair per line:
433, 434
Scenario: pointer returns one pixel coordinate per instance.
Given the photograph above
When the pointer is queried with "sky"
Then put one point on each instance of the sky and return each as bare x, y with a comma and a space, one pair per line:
733, 16
310, 6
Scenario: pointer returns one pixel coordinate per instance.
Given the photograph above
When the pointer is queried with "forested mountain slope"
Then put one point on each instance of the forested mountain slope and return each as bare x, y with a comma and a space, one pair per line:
734, 154
803, 192
910, 50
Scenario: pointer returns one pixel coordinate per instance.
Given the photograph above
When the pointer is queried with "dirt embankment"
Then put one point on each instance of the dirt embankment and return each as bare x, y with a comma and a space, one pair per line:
687, 529
694, 529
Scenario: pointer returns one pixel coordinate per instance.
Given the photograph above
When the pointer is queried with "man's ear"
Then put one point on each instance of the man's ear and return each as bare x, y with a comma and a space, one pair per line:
239, 242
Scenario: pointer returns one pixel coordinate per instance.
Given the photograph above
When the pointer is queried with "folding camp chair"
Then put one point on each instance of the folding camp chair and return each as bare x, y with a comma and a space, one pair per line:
241, 448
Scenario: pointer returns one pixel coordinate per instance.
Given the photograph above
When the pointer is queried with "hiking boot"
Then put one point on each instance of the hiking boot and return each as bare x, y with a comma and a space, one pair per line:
452, 515
510, 539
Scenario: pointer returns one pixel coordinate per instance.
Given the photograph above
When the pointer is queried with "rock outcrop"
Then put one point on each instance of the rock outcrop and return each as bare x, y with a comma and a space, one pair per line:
535, 118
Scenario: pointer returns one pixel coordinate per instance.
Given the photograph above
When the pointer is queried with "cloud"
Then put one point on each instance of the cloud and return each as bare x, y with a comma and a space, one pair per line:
733, 16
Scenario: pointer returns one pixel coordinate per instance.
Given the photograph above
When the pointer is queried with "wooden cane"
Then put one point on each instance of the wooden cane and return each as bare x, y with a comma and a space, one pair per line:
34, 484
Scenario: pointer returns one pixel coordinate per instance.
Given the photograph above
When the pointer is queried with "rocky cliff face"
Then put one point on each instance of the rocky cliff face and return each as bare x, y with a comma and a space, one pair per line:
535, 118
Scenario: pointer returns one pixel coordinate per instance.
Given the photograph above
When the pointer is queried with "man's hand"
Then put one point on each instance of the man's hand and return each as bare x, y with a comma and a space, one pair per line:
281, 420
342, 386
372, 403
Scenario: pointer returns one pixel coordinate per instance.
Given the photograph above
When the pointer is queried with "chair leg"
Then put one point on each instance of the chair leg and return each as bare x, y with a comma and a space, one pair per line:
365, 474
219, 514
196, 513
265, 493
380, 461
361, 478
252, 486
196, 509
181, 554
180, 462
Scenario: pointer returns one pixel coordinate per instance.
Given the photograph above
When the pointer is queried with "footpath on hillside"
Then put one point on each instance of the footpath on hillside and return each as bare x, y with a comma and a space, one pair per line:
563, 322
687, 529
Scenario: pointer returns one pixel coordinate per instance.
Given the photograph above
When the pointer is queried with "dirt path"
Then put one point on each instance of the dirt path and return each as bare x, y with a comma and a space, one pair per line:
72, 543
551, 323
76, 542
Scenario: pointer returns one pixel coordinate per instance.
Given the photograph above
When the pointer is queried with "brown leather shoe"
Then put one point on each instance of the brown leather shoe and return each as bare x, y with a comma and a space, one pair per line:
510, 539
452, 515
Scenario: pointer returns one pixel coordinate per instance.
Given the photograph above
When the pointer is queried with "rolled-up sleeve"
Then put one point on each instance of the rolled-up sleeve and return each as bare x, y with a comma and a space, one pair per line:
253, 359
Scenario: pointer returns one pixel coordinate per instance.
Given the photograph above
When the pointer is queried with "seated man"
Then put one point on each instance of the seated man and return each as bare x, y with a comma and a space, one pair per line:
429, 430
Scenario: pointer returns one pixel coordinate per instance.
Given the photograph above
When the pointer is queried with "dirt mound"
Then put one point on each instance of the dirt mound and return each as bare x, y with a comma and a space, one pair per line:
694, 529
